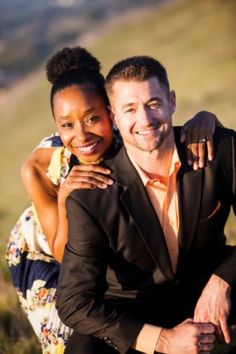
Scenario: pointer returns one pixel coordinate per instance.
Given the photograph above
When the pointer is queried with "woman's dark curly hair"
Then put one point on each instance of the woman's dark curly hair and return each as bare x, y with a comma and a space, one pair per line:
75, 66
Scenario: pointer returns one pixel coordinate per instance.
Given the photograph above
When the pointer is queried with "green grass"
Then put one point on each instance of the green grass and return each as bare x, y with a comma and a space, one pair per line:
16, 334
195, 40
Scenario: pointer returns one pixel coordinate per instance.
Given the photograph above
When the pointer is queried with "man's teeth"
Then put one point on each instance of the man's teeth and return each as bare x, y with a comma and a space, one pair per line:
145, 132
87, 148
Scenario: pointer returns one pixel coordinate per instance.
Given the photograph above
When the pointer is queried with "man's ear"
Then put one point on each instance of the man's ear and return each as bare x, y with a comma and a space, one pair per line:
112, 116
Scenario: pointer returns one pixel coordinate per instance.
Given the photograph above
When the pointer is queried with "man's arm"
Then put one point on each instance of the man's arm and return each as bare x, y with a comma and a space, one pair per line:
227, 160
82, 284
214, 304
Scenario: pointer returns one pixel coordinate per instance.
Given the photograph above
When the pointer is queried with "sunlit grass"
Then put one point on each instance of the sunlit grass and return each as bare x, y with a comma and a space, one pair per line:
16, 335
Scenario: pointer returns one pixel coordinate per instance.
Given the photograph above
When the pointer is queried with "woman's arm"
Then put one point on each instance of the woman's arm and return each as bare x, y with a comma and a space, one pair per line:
49, 200
41, 190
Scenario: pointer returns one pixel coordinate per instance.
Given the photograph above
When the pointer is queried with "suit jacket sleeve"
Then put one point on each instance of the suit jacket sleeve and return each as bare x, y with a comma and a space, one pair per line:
82, 284
228, 157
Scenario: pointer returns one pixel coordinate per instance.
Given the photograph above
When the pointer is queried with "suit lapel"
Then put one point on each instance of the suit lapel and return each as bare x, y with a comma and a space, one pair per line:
137, 203
189, 189
189, 194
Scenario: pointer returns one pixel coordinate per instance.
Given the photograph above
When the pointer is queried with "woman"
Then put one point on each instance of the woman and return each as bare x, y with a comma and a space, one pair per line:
80, 109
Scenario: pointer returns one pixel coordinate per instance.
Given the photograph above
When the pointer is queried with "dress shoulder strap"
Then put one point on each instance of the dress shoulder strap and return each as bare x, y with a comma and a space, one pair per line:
59, 165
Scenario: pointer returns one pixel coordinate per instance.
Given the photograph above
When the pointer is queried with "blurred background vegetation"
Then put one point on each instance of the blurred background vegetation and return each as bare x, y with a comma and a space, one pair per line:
195, 40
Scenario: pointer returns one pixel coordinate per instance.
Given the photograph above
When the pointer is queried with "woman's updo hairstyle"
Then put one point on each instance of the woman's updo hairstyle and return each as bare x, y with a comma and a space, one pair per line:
75, 66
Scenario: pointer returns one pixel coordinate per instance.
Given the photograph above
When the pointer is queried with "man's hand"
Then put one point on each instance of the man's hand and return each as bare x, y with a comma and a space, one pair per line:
187, 338
214, 306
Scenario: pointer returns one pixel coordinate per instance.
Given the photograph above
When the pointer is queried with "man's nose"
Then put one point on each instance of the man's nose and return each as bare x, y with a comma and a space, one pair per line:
143, 116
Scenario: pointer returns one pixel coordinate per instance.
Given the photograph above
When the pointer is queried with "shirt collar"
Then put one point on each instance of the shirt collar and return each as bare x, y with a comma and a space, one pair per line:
175, 165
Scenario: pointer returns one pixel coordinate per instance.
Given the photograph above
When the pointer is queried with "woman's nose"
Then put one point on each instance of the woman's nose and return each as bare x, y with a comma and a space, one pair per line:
81, 131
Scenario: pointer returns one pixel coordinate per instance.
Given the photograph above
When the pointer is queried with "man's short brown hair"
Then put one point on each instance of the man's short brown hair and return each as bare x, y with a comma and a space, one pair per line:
138, 68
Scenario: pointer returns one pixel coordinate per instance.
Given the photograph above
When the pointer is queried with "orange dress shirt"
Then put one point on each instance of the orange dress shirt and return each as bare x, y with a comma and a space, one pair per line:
162, 192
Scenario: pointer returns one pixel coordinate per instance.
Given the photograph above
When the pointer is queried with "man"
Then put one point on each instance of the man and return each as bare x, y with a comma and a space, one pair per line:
146, 267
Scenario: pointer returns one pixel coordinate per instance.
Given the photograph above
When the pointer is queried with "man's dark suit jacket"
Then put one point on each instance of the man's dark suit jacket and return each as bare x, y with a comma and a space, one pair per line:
117, 250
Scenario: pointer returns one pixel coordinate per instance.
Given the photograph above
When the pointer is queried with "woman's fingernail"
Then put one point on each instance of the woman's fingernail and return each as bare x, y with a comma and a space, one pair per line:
201, 164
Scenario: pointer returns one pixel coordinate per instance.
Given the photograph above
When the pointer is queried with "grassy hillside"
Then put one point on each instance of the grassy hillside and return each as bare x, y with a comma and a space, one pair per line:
196, 42
46, 25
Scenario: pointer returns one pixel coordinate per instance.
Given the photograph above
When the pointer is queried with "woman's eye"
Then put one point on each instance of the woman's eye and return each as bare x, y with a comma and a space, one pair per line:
67, 125
92, 119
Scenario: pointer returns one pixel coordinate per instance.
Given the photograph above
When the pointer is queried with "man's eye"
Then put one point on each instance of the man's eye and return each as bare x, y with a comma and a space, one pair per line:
154, 105
129, 110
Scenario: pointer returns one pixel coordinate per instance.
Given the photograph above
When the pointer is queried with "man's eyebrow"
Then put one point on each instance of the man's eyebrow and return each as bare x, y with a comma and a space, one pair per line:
156, 98
129, 104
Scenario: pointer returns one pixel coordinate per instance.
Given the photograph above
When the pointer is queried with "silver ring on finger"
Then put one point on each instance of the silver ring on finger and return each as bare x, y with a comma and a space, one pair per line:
202, 140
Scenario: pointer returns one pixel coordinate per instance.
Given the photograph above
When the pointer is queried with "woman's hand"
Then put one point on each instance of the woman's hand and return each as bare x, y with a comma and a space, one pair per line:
197, 134
84, 177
